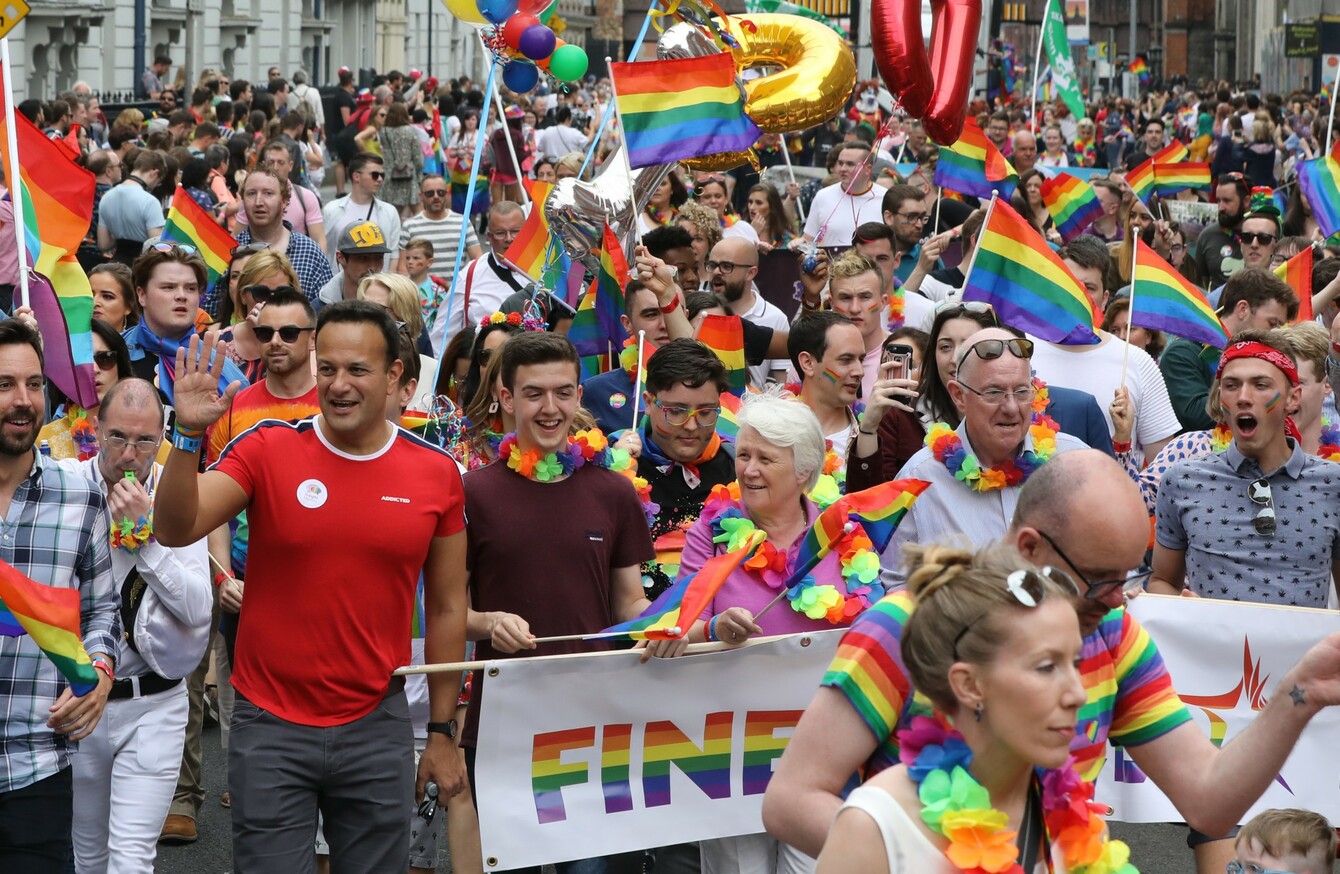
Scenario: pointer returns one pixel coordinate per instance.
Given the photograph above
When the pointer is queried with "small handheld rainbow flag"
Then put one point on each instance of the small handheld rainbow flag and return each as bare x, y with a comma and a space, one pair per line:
681, 108
878, 509
672, 615
50, 616
528, 250
1319, 182
974, 166
1142, 180
1297, 274
1140, 69
1073, 204
1015, 271
188, 223
724, 335
1172, 178
1163, 300
596, 329
728, 423
1173, 153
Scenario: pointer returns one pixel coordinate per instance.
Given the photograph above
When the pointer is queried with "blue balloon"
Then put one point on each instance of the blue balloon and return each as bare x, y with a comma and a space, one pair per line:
497, 11
520, 77
537, 43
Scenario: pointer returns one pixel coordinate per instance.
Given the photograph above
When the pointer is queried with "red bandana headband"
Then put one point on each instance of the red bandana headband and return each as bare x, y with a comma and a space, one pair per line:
1268, 354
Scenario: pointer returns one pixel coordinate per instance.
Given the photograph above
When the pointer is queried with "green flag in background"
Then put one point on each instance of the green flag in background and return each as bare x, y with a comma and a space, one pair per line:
1054, 41
796, 9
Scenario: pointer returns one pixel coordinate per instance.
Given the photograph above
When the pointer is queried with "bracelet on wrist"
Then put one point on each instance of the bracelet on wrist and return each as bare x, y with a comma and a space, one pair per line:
866, 433
187, 441
1121, 446
672, 305
712, 629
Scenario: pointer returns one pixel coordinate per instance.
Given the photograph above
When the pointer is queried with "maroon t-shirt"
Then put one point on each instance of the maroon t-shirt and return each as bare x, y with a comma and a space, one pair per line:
545, 551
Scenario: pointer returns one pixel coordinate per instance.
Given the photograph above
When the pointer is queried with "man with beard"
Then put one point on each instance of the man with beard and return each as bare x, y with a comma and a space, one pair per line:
1153, 141
56, 533
838, 210
1217, 253
731, 268
609, 396
827, 351
265, 195
1257, 238
904, 211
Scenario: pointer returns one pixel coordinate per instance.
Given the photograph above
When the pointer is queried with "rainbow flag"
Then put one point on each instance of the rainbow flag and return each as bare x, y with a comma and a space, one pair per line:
1073, 204
974, 166
596, 328
878, 509
1319, 180
1163, 300
50, 616
671, 615
675, 109
527, 252
1173, 153
1172, 178
728, 423
1297, 274
1015, 271
724, 335
1140, 69
188, 223
1142, 180
57, 199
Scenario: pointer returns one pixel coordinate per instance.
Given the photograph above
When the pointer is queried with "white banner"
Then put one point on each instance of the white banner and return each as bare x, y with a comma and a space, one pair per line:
1226, 660
591, 755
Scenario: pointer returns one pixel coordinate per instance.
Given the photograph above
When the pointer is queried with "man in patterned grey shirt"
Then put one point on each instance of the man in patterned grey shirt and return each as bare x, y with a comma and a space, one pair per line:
54, 528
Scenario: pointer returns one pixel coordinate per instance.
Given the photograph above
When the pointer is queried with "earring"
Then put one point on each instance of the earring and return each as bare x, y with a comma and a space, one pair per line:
493, 408
977, 712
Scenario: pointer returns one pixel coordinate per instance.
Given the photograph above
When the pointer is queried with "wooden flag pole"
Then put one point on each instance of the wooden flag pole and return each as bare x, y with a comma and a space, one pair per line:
972, 259
637, 383
786, 156
1330, 125
1130, 313
15, 185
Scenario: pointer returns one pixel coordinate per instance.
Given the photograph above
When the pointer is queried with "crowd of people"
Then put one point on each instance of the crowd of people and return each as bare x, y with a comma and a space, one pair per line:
373, 363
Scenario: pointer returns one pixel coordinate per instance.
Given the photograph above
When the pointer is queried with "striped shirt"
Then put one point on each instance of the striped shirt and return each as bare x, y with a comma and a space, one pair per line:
56, 532
1131, 700
445, 235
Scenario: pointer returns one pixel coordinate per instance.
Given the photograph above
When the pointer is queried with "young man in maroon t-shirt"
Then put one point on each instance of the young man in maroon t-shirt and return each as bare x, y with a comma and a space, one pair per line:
345, 510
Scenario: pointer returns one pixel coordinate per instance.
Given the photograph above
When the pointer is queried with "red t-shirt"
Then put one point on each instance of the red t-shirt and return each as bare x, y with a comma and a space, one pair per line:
337, 545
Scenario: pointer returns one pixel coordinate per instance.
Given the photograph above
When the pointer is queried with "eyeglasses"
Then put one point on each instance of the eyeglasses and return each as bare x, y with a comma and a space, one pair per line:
184, 248
725, 266
502, 234
435, 192
1236, 867
1264, 520
288, 333
248, 249
1097, 591
914, 218
990, 350
117, 445
261, 293
1028, 588
105, 360
1258, 238
1176, 247
996, 397
706, 416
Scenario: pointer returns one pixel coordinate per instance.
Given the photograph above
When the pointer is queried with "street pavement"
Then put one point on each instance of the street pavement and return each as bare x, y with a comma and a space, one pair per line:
1155, 849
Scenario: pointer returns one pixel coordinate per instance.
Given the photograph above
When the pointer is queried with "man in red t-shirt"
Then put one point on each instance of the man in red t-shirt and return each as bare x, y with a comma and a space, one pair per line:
345, 511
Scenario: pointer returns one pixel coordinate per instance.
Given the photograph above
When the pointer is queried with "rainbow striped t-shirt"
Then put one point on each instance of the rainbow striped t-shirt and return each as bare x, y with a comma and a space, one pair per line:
1131, 698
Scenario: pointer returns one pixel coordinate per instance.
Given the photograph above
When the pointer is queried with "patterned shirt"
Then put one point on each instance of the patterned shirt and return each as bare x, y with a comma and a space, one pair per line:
308, 261
56, 533
1131, 700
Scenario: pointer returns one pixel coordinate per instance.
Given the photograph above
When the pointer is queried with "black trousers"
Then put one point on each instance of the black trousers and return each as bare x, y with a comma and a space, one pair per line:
35, 826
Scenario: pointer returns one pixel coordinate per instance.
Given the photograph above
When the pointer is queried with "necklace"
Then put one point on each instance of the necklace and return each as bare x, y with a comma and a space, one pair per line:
628, 361
130, 536
947, 448
1328, 449
959, 808
584, 447
660, 216
897, 306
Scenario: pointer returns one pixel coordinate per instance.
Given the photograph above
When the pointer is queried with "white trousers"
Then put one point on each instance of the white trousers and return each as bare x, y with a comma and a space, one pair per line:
753, 854
124, 777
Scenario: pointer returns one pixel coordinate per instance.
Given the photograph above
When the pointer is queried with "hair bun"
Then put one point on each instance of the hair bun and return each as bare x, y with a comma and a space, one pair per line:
931, 568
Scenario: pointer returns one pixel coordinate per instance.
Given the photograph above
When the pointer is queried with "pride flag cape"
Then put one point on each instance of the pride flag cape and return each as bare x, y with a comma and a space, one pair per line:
1073, 204
1163, 300
528, 250
57, 209
1016, 272
974, 165
188, 223
671, 615
1172, 178
1297, 274
1319, 180
676, 109
724, 335
596, 327
878, 510
50, 616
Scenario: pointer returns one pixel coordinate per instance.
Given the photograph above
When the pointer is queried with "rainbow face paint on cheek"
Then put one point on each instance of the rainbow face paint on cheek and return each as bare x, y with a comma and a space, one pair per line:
832, 377
1274, 402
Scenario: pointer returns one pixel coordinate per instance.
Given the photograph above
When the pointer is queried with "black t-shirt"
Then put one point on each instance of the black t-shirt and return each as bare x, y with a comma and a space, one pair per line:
1214, 247
345, 100
756, 341
952, 214
680, 505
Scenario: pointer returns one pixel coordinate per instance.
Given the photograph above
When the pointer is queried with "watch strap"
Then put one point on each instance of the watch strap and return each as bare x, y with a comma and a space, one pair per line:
448, 728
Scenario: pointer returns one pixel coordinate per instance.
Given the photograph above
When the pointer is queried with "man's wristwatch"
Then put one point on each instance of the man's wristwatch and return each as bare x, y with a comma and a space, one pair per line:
448, 728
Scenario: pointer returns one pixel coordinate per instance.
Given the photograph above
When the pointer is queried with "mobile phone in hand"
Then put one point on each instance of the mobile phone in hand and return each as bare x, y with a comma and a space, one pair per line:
901, 355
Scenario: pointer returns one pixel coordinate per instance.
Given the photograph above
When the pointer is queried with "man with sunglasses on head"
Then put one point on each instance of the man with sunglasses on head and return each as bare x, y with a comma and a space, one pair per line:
265, 196
440, 226
361, 204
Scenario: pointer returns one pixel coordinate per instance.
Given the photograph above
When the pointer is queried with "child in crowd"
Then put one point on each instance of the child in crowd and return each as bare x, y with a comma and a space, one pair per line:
418, 261
1298, 841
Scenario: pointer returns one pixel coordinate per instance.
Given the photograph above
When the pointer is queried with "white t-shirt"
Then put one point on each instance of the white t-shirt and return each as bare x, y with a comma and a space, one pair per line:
487, 291
769, 316
843, 213
1097, 370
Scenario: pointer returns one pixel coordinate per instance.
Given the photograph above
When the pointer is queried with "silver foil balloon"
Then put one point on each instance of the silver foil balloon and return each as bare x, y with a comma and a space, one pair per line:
578, 211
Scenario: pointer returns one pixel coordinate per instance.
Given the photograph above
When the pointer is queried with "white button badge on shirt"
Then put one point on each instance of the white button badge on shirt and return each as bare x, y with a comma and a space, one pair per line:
312, 493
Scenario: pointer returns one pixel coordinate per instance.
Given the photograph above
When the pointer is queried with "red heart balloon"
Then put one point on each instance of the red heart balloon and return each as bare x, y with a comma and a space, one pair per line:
934, 89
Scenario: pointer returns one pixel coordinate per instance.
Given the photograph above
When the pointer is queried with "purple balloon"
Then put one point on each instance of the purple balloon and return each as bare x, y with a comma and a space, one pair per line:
537, 43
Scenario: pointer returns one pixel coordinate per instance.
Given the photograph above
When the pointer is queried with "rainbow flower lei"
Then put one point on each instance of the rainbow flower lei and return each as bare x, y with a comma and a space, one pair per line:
130, 536
959, 808
1329, 449
584, 447
628, 360
897, 307
948, 449
83, 435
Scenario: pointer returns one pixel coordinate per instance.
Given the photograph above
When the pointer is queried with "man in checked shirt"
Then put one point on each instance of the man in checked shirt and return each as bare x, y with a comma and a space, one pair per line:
55, 529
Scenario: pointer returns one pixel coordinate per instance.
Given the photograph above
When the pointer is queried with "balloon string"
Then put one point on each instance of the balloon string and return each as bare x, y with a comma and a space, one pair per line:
609, 111
869, 159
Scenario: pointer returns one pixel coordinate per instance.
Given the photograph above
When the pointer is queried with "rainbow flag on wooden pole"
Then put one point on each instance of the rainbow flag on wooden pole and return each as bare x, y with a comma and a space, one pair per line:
1297, 274
529, 250
597, 329
724, 335
1167, 301
187, 222
1172, 178
50, 615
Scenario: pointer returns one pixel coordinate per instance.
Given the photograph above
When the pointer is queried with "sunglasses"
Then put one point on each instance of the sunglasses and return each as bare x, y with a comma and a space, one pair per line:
1264, 520
175, 247
377, 175
990, 350
105, 360
435, 192
261, 293
288, 333
248, 249
1097, 590
963, 306
1258, 238
1028, 588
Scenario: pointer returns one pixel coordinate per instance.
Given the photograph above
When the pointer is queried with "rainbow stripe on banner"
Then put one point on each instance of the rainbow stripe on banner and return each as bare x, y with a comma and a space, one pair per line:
188, 223
1319, 181
596, 329
50, 616
974, 166
681, 108
1172, 178
1163, 300
878, 509
724, 335
1073, 205
1297, 274
1016, 272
